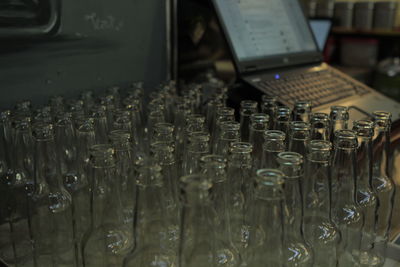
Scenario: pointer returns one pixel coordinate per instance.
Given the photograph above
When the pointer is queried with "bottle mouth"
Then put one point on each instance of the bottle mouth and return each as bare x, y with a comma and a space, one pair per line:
364, 128
345, 139
241, 147
195, 182
270, 178
299, 126
43, 131
274, 135
290, 158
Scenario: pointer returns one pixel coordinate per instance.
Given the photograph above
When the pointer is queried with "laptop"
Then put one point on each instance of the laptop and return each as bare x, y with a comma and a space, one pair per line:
321, 29
274, 50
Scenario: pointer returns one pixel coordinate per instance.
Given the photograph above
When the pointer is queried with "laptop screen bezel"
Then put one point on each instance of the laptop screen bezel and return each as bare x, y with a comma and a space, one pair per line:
269, 62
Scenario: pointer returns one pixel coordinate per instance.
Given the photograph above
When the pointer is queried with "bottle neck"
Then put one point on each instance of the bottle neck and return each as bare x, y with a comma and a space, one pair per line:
343, 177
364, 163
381, 144
293, 208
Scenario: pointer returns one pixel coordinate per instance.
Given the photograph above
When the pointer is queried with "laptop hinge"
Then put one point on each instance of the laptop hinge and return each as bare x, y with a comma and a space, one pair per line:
251, 68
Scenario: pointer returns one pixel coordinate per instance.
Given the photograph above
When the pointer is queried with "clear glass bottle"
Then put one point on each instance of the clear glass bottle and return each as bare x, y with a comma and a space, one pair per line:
319, 229
320, 126
296, 252
339, 117
74, 177
125, 172
247, 109
240, 182
164, 132
346, 213
223, 114
258, 125
269, 106
163, 154
212, 106
16, 184
365, 197
274, 143
302, 111
283, 119
150, 225
382, 183
200, 245
299, 136
229, 133
98, 113
107, 223
197, 147
51, 220
267, 215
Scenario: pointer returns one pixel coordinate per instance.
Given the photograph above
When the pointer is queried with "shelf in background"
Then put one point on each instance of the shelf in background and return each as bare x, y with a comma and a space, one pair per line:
378, 33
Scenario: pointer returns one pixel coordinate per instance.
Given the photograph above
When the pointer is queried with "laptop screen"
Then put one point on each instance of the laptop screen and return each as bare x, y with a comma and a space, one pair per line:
259, 29
321, 29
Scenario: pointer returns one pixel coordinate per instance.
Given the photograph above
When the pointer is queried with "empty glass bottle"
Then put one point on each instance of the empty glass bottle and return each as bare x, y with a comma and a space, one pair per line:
74, 177
365, 197
152, 247
299, 136
296, 252
247, 108
229, 133
109, 239
302, 111
258, 125
125, 173
197, 147
200, 245
319, 229
269, 106
223, 114
241, 185
346, 213
320, 126
101, 124
267, 215
274, 143
282, 119
339, 118
51, 220
16, 183
382, 183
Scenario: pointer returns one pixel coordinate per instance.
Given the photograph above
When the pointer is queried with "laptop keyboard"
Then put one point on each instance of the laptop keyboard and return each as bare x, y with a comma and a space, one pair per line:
321, 87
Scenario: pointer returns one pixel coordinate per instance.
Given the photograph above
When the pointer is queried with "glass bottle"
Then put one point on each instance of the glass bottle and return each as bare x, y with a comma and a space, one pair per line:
345, 212
212, 106
382, 183
339, 117
163, 154
107, 223
247, 109
296, 252
98, 113
155, 117
299, 136
125, 173
240, 184
150, 223
74, 178
258, 125
320, 126
229, 133
282, 119
302, 111
197, 147
51, 220
223, 114
365, 197
269, 106
200, 245
274, 143
164, 132
267, 215
214, 168
16, 185
319, 229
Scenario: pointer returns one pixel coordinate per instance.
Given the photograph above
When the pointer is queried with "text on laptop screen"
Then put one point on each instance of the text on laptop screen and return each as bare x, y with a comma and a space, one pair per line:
262, 28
